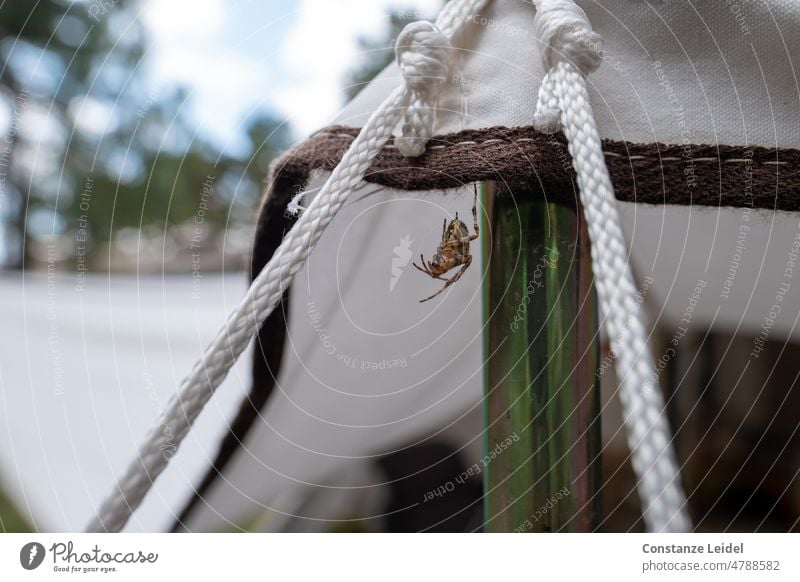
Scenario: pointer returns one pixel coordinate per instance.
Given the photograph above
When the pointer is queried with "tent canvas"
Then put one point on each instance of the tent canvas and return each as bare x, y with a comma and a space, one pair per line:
671, 74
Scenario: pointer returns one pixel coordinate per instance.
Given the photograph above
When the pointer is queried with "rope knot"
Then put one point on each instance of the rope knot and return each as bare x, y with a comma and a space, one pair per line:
566, 36
564, 32
425, 56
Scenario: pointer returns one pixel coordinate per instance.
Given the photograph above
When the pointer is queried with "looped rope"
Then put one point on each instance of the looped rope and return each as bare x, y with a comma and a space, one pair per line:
424, 55
570, 51
564, 90
547, 117
564, 34
273, 280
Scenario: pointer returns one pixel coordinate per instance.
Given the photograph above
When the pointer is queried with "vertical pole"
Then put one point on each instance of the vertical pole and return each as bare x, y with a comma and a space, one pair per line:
542, 463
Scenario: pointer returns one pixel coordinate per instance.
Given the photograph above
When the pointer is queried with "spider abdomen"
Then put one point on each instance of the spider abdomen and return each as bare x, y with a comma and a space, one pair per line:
444, 260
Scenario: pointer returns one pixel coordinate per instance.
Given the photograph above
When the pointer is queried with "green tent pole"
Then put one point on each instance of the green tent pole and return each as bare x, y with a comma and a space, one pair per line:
542, 410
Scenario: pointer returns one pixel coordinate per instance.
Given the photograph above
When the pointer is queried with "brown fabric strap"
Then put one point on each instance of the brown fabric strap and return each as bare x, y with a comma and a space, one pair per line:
653, 173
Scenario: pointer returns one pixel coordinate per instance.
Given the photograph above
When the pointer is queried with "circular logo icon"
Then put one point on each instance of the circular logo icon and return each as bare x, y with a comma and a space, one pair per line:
31, 555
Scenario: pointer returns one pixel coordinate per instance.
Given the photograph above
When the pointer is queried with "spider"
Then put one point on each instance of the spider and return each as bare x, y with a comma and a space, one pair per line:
452, 251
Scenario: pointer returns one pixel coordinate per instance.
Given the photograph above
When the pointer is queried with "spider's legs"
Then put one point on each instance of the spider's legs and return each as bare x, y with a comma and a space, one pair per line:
435, 294
444, 228
424, 268
457, 276
427, 266
475, 225
451, 280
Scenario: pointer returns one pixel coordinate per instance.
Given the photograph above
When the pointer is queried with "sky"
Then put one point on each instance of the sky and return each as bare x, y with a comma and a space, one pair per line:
289, 57
237, 59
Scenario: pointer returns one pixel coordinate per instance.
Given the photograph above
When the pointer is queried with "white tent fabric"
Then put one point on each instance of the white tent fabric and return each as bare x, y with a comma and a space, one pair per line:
89, 365
368, 369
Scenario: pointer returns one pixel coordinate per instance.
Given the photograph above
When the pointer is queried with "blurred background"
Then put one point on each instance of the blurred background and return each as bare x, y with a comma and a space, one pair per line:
136, 136
118, 116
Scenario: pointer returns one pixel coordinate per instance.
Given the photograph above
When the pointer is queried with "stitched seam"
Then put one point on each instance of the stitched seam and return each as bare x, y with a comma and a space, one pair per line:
610, 154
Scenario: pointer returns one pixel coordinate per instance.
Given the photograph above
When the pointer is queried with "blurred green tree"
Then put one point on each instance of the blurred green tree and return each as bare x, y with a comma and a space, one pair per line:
90, 153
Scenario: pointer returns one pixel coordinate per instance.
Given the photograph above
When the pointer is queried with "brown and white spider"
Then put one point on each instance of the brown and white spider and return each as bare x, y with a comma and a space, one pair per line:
452, 251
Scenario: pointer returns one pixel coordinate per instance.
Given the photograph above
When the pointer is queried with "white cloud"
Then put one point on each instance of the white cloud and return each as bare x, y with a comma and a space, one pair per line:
191, 49
323, 46
182, 20
300, 74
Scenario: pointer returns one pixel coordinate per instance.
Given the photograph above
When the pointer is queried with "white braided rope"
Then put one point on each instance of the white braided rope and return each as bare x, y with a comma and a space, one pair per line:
424, 56
454, 14
571, 51
421, 48
265, 292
